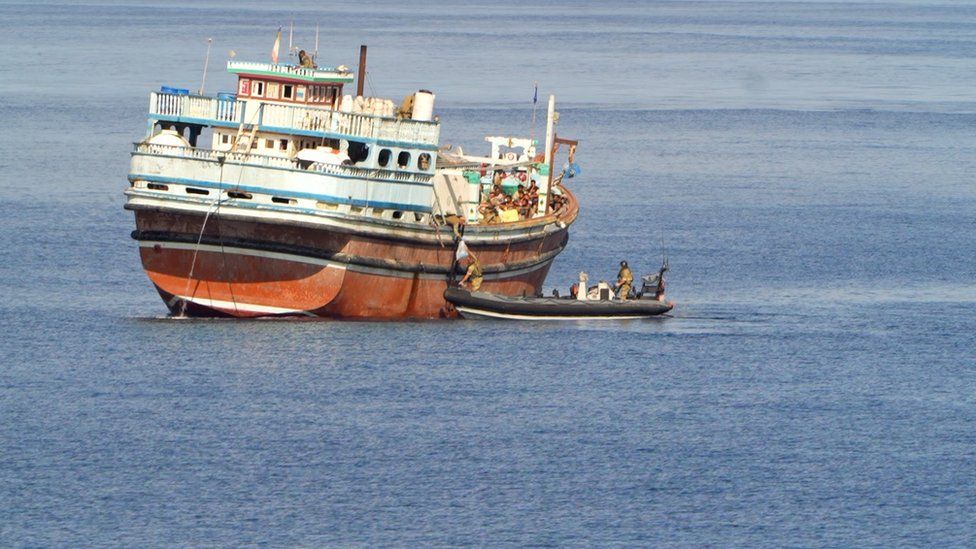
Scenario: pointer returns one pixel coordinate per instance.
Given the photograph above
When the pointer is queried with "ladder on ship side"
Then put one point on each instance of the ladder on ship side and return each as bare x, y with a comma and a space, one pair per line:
246, 145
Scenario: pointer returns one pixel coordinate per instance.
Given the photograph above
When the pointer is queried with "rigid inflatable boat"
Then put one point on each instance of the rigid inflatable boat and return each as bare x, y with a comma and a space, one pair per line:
487, 305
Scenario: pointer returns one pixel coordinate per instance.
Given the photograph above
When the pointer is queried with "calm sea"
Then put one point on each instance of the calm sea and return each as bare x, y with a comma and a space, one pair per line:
808, 167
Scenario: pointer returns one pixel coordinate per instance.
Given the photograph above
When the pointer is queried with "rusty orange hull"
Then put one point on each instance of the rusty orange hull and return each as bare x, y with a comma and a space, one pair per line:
246, 268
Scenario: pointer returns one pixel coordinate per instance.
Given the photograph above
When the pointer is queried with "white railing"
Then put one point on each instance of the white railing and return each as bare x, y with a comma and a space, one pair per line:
312, 119
361, 125
275, 162
292, 70
194, 106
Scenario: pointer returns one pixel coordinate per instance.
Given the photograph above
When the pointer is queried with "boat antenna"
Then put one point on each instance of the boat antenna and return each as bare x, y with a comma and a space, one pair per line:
664, 252
206, 63
535, 103
316, 54
291, 31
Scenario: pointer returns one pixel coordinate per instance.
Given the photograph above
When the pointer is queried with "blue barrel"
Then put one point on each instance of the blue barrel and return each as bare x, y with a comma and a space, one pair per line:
226, 96
177, 91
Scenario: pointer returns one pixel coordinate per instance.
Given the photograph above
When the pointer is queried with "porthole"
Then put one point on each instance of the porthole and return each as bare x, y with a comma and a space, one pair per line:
358, 151
384, 158
403, 159
423, 162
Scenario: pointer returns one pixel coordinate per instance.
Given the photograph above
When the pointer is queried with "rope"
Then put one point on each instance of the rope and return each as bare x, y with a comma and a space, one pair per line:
213, 209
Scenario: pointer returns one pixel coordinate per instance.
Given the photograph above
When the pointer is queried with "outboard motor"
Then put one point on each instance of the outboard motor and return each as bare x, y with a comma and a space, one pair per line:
653, 284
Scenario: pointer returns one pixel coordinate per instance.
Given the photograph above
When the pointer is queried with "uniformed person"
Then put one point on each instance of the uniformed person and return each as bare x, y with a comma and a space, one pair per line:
625, 281
305, 60
474, 276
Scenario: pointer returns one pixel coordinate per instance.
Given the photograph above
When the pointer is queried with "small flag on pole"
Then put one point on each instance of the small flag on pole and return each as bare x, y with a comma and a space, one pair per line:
535, 94
277, 46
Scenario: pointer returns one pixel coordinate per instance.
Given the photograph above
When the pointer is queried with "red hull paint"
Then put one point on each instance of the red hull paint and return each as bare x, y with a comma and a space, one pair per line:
231, 284
246, 268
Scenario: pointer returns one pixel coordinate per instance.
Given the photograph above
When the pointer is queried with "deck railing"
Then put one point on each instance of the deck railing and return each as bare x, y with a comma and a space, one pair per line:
194, 106
312, 119
287, 70
243, 157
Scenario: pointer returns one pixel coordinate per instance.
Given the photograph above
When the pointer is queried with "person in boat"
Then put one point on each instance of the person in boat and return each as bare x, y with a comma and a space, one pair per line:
533, 195
497, 178
521, 201
625, 281
473, 277
457, 225
488, 213
497, 196
659, 292
519, 192
556, 201
305, 60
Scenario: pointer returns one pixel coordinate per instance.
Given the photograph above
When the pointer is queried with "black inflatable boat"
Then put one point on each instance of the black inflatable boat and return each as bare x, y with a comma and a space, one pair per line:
486, 305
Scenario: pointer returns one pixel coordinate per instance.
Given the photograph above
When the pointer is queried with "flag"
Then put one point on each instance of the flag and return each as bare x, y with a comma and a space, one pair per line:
462, 251
535, 95
274, 51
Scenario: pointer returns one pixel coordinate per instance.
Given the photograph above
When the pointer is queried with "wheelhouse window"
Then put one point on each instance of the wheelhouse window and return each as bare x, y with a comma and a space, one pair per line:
323, 94
272, 90
423, 162
287, 91
384, 158
257, 90
283, 144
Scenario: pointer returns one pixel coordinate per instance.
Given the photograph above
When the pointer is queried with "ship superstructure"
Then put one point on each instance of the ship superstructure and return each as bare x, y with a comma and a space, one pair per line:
292, 197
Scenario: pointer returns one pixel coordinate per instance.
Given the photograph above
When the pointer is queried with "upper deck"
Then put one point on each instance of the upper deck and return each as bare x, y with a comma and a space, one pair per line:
228, 111
291, 72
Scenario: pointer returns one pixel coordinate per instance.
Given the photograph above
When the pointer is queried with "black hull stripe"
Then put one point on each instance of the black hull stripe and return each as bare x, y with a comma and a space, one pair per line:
340, 257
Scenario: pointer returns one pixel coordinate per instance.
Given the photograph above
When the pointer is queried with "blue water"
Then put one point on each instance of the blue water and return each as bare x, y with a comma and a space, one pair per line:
807, 167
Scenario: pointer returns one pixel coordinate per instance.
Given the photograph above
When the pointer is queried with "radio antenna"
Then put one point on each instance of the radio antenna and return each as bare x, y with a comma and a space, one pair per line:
206, 63
316, 54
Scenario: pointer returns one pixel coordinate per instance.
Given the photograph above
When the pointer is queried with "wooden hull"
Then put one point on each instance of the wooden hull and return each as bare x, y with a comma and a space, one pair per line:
243, 267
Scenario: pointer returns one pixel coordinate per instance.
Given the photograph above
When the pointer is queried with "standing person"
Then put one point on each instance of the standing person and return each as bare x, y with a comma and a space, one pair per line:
625, 281
474, 275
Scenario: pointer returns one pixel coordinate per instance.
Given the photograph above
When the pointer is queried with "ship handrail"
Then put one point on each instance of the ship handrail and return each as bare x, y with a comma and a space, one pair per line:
306, 72
270, 161
295, 117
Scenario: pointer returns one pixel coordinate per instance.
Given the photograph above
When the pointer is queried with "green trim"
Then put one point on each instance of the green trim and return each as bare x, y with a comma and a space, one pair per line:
287, 76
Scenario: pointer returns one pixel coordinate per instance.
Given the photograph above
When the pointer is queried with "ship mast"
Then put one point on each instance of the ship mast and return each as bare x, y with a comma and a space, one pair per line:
361, 79
550, 127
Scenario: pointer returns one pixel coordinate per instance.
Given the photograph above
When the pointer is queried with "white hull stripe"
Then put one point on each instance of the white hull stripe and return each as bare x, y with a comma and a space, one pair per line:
467, 311
239, 307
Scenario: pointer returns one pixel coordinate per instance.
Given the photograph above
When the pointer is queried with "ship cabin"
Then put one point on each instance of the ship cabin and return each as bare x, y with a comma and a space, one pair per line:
291, 137
282, 110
